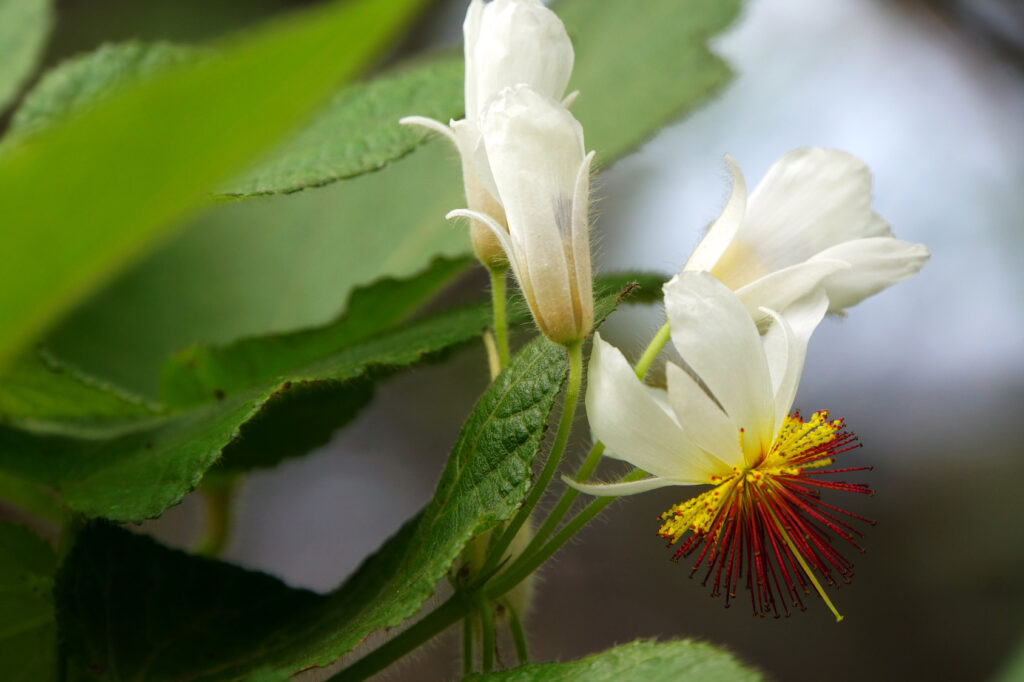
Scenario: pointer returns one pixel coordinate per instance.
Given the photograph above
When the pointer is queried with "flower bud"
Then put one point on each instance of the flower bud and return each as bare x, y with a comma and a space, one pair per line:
507, 42
533, 159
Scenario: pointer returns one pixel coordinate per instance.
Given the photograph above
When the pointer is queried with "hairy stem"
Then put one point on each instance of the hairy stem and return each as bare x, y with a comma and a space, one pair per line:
498, 302
467, 646
515, 628
527, 564
564, 503
661, 337
487, 637
433, 624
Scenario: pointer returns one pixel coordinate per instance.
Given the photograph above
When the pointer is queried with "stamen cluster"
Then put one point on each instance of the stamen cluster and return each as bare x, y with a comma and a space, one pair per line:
767, 523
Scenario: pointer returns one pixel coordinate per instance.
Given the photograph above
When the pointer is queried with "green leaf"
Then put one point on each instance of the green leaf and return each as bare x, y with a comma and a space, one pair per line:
641, 660
358, 131
24, 25
635, 287
227, 622
130, 609
136, 473
201, 373
38, 389
355, 133
32, 498
85, 197
277, 264
77, 82
638, 71
28, 632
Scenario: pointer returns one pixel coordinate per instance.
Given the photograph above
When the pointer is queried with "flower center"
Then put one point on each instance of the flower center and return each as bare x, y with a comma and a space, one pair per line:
767, 522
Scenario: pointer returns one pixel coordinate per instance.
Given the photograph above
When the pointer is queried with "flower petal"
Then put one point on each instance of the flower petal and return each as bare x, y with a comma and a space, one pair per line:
432, 125
469, 140
875, 263
716, 337
779, 289
785, 347
579, 247
722, 231
535, 151
703, 419
630, 422
620, 489
496, 229
471, 36
520, 41
810, 200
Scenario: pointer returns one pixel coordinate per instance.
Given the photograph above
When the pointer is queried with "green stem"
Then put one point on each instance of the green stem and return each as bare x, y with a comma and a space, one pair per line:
467, 646
487, 638
461, 604
218, 493
572, 392
527, 564
434, 623
515, 628
653, 348
498, 301
564, 503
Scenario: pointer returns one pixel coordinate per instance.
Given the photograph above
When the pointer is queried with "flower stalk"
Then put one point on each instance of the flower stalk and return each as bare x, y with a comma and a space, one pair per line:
499, 304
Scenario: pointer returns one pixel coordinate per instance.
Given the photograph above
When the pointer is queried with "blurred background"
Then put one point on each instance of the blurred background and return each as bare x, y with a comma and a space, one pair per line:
930, 375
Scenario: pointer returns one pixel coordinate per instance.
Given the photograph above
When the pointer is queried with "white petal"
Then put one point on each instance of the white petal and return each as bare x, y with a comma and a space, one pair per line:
496, 229
810, 200
535, 151
620, 489
716, 337
521, 41
785, 346
630, 422
431, 125
579, 246
702, 418
474, 155
875, 263
471, 36
779, 289
722, 231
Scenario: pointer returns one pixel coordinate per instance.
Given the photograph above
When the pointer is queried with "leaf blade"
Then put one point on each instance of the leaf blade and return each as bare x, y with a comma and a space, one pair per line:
295, 258
24, 26
486, 477
88, 226
28, 629
639, 660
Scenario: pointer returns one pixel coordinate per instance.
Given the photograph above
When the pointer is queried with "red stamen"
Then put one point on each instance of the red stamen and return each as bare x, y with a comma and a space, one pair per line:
769, 522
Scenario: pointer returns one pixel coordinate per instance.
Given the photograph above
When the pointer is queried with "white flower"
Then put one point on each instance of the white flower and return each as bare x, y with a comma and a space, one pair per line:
722, 413
808, 223
532, 157
724, 421
506, 42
